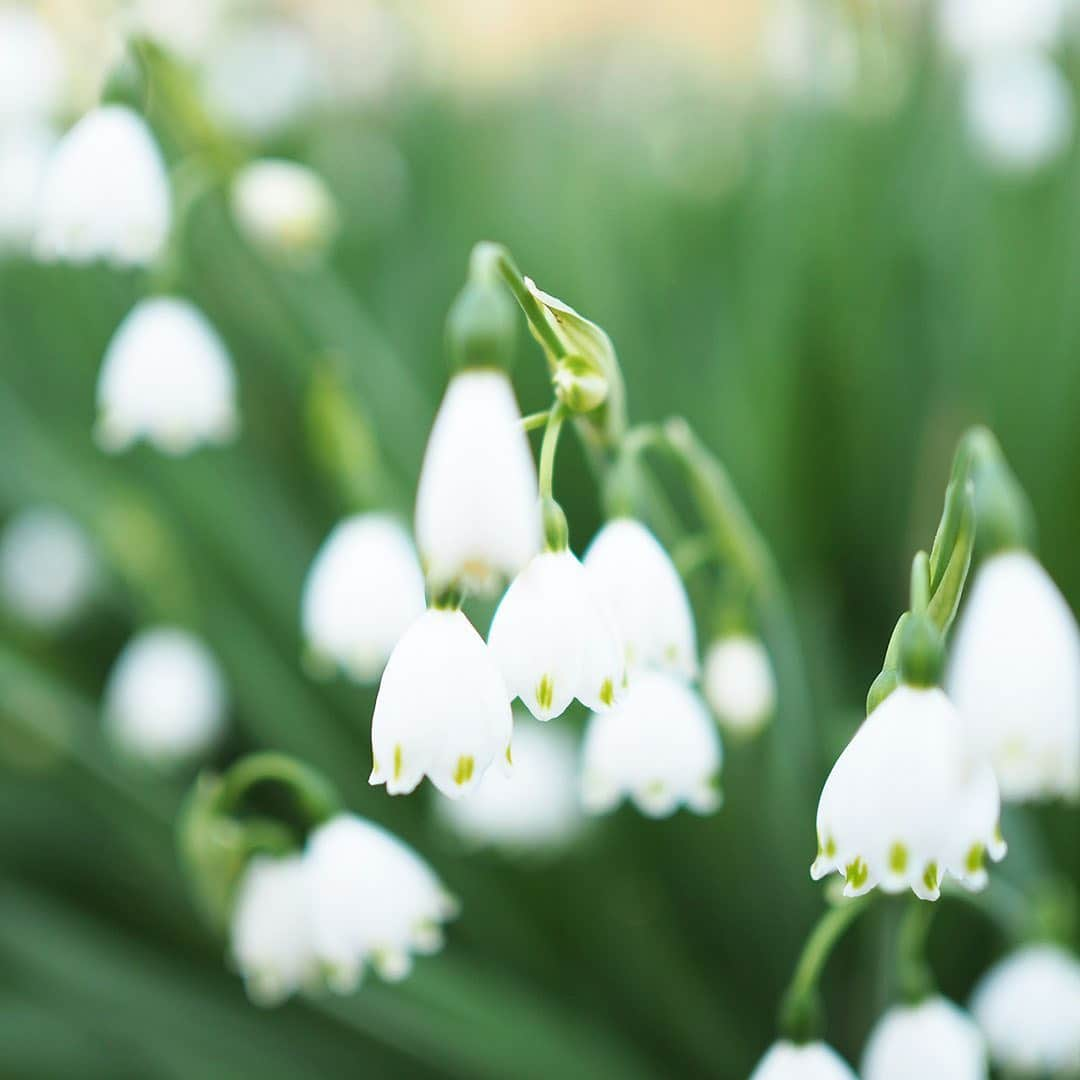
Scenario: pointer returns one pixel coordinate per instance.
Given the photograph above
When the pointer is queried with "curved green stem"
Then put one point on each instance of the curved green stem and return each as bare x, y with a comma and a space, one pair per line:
547, 450
314, 795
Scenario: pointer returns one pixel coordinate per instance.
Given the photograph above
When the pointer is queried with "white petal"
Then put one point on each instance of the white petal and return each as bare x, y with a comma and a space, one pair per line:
25, 151
739, 683
31, 66
810, 1061
283, 207
932, 1039
363, 591
477, 506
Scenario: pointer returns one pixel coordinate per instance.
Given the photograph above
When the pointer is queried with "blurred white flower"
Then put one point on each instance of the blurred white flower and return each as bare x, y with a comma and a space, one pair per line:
166, 377
105, 193
935, 1040
808, 52
975, 29
25, 149
646, 596
186, 27
535, 807
1014, 675
373, 900
31, 66
165, 698
263, 77
442, 709
659, 747
1028, 1006
48, 570
284, 208
739, 683
477, 506
1019, 110
908, 801
270, 934
363, 591
553, 639
808, 1061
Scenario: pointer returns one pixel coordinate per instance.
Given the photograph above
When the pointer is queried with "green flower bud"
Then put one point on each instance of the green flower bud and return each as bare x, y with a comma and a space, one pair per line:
482, 325
580, 383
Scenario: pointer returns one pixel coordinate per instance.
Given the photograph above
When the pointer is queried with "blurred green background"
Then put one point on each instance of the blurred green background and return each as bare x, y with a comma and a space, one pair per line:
830, 293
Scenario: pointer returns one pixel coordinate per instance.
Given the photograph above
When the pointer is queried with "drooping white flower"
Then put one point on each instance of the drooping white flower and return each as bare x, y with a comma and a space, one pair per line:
976, 29
284, 208
935, 1040
105, 193
909, 801
554, 639
165, 698
1014, 675
1028, 1007
373, 900
535, 807
1019, 111
363, 591
739, 683
442, 710
31, 66
646, 596
48, 570
166, 377
808, 1061
659, 747
270, 936
477, 506
25, 149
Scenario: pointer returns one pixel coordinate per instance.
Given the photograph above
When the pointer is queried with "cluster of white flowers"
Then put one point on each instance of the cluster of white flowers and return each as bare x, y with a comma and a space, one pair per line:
355, 897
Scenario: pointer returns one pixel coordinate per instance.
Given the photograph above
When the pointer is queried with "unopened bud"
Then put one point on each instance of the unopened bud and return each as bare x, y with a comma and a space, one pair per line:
481, 326
580, 383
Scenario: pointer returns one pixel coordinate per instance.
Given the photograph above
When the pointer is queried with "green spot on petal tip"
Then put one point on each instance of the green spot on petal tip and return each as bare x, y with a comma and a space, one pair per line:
545, 692
464, 770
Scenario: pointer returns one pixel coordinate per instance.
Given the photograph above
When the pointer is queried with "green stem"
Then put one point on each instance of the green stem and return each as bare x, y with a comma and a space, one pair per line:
920, 583
535, 421
314, 794
914, 974
548, 448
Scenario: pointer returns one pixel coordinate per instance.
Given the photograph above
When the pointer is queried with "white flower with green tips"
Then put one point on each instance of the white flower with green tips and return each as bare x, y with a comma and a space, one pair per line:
1014, 675
802, 1061
659, 747
373, 902
443, 709
477, 505
935, 1039
363, 591
554, 640
908, 802
646, 596
739, 683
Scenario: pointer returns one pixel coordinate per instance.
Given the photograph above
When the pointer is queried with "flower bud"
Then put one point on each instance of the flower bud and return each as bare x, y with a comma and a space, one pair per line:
739, 683
580, 383
481, 328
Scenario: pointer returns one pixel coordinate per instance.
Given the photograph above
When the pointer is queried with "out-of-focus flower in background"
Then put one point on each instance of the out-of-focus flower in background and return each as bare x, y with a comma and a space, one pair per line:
806, 1061
976, 29
25, 150
934, 1039
739, 683
32, 69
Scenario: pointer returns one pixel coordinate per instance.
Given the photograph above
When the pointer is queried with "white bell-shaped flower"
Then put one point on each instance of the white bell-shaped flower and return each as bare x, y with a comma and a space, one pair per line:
1014, 675
1019, 111
554, 639
739, 683
105, 193
373, 900
535, 807
908, 801
443, 709
659, 747
363, 591
48, 570
166, 377
31, 66
270, 934
807, 1061
934, 1040
977, 29
477, 507
165, 698
1028, 1007
25, 150
284, 208
646, 596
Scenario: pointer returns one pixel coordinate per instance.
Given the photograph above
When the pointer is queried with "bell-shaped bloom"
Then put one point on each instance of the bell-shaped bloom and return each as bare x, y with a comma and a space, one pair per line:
646, 596
32, 72
739, 683
908, 801
105, 193
48, 570
1014, 676
659, 747
363, 591
443, 709
533, 808
806, 1061
270, 933
1019, 111
978, 29
935, 1039
165, 698
283, 208
554, 639
372, 899
477, 506
168, 378
25, 151
1028, 1007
